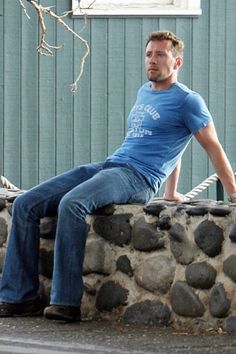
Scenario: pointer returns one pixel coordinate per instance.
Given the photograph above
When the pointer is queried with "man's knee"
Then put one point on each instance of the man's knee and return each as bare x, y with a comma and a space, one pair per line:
70, 205
22, 202
23, 207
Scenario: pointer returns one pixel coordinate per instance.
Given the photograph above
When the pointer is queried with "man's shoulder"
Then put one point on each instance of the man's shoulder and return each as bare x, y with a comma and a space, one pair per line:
184, 88
146, 86
187, 93
191, 100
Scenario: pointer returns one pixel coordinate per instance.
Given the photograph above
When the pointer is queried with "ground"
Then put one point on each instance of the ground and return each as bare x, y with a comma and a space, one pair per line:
41, 336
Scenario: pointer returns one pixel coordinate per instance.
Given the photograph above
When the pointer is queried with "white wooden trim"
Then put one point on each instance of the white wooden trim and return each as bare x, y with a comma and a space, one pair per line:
137, 7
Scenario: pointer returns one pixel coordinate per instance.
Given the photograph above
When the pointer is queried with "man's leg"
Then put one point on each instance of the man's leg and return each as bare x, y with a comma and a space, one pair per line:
114, 185
19, 282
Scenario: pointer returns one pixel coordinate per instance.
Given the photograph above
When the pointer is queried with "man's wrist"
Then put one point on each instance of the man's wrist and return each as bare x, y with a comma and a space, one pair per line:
232, 197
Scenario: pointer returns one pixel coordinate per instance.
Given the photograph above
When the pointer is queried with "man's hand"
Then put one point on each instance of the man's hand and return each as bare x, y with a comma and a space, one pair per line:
232, 198
175, 197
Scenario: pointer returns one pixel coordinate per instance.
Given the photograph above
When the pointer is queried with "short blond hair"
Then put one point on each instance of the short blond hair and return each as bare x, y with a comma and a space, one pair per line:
177, 43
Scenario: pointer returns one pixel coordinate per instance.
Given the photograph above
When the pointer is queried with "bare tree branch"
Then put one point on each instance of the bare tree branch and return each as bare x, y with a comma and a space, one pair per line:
44, 48
24, 9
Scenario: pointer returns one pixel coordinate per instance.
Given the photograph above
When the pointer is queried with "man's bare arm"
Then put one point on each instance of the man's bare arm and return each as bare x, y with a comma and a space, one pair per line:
171, 185
208, 139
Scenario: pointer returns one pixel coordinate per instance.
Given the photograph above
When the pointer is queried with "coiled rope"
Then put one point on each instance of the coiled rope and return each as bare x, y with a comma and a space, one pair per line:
8, 185
203, 185
190, 195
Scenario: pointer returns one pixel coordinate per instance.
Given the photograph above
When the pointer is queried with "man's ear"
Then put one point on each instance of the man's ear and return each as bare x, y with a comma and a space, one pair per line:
178, 63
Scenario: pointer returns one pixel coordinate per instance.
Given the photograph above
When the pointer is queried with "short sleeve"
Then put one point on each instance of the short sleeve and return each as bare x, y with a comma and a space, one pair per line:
195, 112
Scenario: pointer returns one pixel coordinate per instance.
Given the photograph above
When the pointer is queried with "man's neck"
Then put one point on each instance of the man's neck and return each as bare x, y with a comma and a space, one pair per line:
163, 85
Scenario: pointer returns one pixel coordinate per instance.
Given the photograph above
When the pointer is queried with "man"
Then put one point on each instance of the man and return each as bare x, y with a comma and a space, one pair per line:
162, 122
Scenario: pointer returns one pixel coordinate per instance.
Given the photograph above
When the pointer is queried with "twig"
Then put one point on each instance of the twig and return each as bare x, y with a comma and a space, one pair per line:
24, 9
44, 48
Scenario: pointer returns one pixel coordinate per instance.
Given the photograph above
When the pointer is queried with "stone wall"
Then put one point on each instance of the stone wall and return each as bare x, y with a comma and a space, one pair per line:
166, 263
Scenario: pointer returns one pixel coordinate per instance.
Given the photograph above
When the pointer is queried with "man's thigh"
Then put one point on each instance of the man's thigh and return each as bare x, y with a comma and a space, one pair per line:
115, 185
45, 197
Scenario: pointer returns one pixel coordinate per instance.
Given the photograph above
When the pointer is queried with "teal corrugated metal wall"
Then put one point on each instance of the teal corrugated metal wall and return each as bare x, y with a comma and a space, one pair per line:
45, 130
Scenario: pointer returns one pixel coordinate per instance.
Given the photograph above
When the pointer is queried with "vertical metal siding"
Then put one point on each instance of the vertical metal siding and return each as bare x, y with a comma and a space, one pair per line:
47, 80
45, 130
29, 104
99, 88
1, 86
199, 166
12, 91
230, 82
64, 115
116, 83
82, 99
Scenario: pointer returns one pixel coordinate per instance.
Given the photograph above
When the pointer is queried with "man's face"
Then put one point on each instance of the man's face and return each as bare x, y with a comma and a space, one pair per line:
160, 63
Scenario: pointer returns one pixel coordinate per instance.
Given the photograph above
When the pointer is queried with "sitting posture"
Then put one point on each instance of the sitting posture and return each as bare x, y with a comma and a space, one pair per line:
164, 118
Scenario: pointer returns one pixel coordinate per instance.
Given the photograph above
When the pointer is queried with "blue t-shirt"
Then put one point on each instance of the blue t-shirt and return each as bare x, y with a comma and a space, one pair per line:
160, 126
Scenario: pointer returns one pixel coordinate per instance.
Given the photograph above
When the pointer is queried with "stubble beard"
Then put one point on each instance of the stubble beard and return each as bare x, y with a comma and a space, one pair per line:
155, 78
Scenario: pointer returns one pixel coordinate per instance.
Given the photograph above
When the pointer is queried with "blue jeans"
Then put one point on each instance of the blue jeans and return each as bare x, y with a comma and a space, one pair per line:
71, 195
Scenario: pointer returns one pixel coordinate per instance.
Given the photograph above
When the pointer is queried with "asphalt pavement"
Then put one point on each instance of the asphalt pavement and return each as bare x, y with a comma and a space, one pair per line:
40, 336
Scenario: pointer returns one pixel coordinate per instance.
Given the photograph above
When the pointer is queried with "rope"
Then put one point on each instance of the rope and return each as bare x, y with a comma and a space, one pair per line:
203, 185
198, 189
8, 185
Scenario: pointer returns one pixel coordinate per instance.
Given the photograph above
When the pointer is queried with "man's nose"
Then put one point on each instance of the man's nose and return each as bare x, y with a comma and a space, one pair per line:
153, 59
